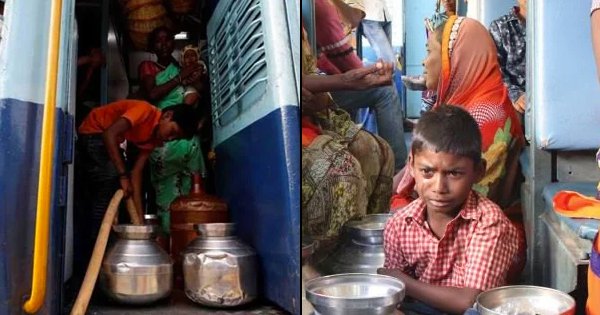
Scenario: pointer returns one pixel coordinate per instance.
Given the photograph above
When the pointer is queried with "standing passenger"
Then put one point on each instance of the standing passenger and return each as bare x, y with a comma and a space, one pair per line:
508, 33
162, 83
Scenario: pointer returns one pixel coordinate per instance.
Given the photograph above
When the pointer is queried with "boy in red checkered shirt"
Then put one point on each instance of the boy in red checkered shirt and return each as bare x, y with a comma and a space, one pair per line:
450, 244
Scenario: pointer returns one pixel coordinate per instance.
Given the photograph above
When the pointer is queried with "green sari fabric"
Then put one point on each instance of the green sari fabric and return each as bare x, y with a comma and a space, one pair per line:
176, 95
172, 165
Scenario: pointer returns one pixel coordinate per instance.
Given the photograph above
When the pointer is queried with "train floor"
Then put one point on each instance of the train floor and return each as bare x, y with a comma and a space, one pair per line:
176, 304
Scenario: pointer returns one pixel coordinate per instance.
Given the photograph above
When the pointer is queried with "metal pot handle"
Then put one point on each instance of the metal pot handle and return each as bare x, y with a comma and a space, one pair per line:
216, 256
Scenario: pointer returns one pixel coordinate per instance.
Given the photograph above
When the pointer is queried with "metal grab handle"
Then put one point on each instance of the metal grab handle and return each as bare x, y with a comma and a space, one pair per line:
42, 221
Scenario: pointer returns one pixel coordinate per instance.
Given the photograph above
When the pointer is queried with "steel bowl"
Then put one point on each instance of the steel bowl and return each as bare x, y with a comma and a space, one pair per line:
525, 300
369, 230
355, 294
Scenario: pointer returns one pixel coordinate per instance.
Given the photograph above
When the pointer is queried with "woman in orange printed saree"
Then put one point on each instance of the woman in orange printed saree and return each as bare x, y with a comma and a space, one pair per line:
462, 66
346, 171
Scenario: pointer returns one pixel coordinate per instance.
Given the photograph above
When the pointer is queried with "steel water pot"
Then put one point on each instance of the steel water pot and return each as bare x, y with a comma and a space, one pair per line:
135, 269
361, 247
218, 269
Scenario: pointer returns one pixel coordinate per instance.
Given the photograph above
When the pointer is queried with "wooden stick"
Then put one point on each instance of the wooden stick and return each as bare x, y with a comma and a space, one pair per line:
133, 214
91, 275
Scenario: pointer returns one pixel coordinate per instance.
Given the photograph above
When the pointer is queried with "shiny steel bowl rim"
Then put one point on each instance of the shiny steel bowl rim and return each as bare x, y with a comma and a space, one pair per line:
136, 232
357, 231
215, 229
355, 303
485, 309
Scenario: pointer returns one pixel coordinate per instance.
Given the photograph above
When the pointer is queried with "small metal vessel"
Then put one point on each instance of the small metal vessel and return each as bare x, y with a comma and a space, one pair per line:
135, 269
361, 247
218, 269
355, 294
525, 300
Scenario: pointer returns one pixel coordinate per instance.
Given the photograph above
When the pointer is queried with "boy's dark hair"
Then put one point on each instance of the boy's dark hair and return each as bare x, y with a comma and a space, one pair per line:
154, 34
448, 129
186, 117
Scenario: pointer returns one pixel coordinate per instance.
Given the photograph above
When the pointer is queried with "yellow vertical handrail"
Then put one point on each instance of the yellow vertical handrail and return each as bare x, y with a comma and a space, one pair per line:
42, 221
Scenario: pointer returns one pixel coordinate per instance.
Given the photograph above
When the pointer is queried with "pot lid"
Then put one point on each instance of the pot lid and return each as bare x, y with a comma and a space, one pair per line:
369, 229
215, 229
135, 232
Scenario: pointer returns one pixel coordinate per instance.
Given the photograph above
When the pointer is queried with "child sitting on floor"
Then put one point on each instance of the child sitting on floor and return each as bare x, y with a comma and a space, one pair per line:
451, 243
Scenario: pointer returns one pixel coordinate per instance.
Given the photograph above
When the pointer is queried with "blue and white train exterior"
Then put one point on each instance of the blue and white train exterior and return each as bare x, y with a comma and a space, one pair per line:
254, 73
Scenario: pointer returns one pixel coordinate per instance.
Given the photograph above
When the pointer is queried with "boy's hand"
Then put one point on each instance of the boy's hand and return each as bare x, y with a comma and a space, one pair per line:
379, 74
385, 271
126, 186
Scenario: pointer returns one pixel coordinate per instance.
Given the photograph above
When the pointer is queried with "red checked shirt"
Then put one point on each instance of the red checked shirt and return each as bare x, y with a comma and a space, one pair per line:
476, 250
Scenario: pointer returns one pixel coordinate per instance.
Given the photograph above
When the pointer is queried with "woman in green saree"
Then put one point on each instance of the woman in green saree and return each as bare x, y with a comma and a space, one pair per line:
162, 83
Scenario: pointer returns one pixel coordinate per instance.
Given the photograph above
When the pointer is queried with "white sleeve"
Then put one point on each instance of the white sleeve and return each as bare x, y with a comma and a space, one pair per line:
595, 5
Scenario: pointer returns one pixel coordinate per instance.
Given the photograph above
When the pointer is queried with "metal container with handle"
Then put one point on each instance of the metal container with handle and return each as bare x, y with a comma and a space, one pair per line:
218, 269
136, 270
361, 247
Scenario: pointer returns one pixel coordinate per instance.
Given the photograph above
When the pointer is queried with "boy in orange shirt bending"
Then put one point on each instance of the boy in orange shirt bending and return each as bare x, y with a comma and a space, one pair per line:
102, 164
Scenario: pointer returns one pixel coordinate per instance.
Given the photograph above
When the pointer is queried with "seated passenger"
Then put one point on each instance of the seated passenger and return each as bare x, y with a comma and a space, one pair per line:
346, 172
451, 243
508, 32
461, 65
338, 57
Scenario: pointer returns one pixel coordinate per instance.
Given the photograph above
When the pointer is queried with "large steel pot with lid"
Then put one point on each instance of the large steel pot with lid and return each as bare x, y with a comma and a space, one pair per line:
135, 269
361, 247
218, 269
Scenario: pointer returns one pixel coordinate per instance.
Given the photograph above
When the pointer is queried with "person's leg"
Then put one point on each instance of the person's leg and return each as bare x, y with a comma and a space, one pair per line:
379, 40
386, 103
379, 35
102, 182
387, 29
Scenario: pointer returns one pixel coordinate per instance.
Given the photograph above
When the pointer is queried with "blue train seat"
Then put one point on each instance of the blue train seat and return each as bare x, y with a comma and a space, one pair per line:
561, 120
